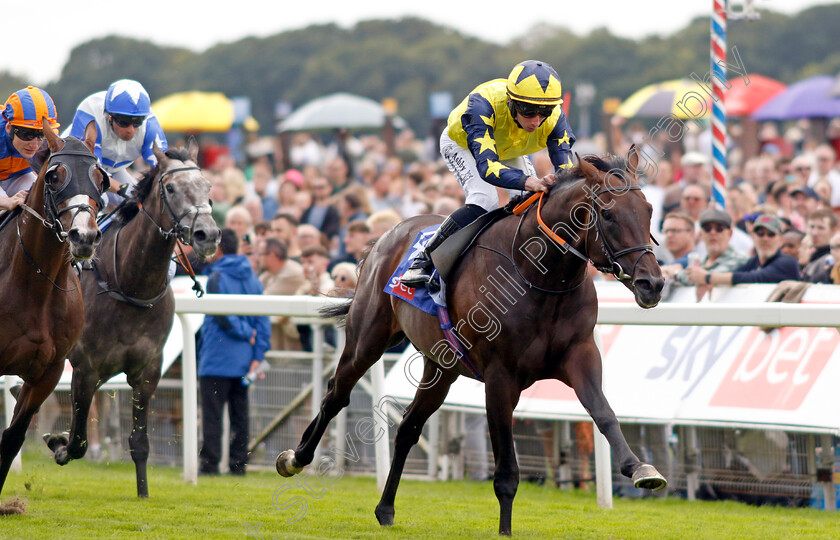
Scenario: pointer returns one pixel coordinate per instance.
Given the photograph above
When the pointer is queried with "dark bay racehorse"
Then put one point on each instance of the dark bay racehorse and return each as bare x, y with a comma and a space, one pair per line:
41, 310
525, 308
129, 305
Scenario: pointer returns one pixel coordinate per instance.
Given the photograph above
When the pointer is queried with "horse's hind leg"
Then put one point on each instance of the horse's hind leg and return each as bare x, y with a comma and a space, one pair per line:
429, 397
138, 441
65, 449
584, 373
364, 348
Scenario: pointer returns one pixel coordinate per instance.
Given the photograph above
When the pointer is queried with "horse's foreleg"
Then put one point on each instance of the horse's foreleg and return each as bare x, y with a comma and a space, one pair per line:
64, 449
138, 441
429, 397
359, 354
502, 395
29, 399
584, 373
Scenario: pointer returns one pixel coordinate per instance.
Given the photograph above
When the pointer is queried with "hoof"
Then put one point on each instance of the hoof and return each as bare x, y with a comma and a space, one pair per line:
647, 477
56, 440
385, 516
286, 464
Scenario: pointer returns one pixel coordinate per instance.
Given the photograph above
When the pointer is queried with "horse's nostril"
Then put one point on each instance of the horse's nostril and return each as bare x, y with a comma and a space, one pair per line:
200, 235
74, 236
98, 237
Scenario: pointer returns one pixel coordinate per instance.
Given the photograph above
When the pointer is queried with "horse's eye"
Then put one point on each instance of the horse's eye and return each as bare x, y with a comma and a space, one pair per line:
606, 214
170, 188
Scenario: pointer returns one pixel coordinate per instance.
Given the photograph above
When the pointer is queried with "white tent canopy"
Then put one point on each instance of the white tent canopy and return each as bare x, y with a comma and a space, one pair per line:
338, 111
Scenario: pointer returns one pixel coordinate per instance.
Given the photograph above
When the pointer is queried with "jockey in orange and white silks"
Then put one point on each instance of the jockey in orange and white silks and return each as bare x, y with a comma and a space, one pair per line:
21, 136
486, 144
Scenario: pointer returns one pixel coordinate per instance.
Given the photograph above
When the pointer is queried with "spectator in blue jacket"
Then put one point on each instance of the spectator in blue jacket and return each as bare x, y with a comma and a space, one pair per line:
230, 346
769, 265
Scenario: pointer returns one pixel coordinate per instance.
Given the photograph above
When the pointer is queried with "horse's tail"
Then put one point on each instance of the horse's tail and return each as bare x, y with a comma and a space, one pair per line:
336, 311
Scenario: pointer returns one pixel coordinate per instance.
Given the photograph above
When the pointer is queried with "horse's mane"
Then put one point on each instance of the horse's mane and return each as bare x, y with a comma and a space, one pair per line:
131, 206
566, 177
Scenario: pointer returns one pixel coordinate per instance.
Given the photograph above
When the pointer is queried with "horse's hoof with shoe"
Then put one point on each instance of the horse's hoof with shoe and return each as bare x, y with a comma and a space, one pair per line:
58, 444
647, 477
286, 464
384, 515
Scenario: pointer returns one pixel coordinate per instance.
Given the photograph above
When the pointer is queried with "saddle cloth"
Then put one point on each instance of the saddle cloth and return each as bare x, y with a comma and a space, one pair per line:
434, 303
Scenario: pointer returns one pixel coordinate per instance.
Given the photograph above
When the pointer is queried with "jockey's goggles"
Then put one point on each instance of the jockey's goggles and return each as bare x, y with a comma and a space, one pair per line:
126, 121
530, 110
26, 134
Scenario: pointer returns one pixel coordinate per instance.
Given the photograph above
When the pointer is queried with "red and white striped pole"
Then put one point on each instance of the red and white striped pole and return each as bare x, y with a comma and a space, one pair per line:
719, 137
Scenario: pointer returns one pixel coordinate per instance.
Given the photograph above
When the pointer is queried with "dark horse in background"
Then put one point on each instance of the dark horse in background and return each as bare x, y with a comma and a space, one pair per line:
41, 310
538, 324
129, 306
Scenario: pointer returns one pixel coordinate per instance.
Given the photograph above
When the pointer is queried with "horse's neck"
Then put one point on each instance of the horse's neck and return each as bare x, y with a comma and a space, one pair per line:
539, 255
142, 256
42, 251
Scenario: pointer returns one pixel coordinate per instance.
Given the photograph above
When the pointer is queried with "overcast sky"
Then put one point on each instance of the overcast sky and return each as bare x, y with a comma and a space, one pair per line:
199, 25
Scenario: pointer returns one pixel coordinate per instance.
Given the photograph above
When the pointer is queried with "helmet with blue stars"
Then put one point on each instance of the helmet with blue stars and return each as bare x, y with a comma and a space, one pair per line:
535, 82
127, 97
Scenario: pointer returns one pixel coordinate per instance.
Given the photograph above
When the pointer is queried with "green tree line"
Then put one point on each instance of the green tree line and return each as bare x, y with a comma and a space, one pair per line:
410, 58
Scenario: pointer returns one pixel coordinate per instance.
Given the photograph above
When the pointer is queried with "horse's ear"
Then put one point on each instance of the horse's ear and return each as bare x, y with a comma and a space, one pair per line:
589, 170
91, 133
192, 148
54, 141
633, 161
159, 154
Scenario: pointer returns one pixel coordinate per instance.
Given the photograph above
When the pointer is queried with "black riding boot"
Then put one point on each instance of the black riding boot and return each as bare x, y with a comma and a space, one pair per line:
421, 269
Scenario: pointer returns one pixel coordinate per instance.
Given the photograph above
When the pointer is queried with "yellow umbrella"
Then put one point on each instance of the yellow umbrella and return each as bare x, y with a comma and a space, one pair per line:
661, 99
194, 111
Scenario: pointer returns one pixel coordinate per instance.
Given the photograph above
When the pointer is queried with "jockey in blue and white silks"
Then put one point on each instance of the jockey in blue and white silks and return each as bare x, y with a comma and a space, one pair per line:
127, 128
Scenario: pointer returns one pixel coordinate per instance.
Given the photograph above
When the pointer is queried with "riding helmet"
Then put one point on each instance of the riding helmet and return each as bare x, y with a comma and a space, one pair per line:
127, 97
26, 107
535, 82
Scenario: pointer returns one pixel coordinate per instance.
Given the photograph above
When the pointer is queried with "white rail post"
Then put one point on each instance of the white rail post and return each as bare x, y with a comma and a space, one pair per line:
434, 444
380, 422
9, 401
603, 461
340, 443
189, 379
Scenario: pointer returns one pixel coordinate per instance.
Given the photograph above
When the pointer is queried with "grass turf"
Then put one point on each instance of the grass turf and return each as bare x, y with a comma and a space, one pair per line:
88, 500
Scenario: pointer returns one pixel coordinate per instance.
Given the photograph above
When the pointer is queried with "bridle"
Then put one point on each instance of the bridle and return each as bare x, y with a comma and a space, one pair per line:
613, 265
182, 233
177, 231
53, 197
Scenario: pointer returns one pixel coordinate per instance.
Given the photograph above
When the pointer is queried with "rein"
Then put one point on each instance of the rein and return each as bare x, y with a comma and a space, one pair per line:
34, 265
117, 293
614, 267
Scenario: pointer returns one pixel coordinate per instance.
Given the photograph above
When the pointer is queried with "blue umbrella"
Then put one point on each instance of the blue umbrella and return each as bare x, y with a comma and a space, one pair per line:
808, 98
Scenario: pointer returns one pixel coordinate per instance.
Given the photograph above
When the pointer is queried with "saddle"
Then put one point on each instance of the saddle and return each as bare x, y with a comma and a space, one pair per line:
450, 252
